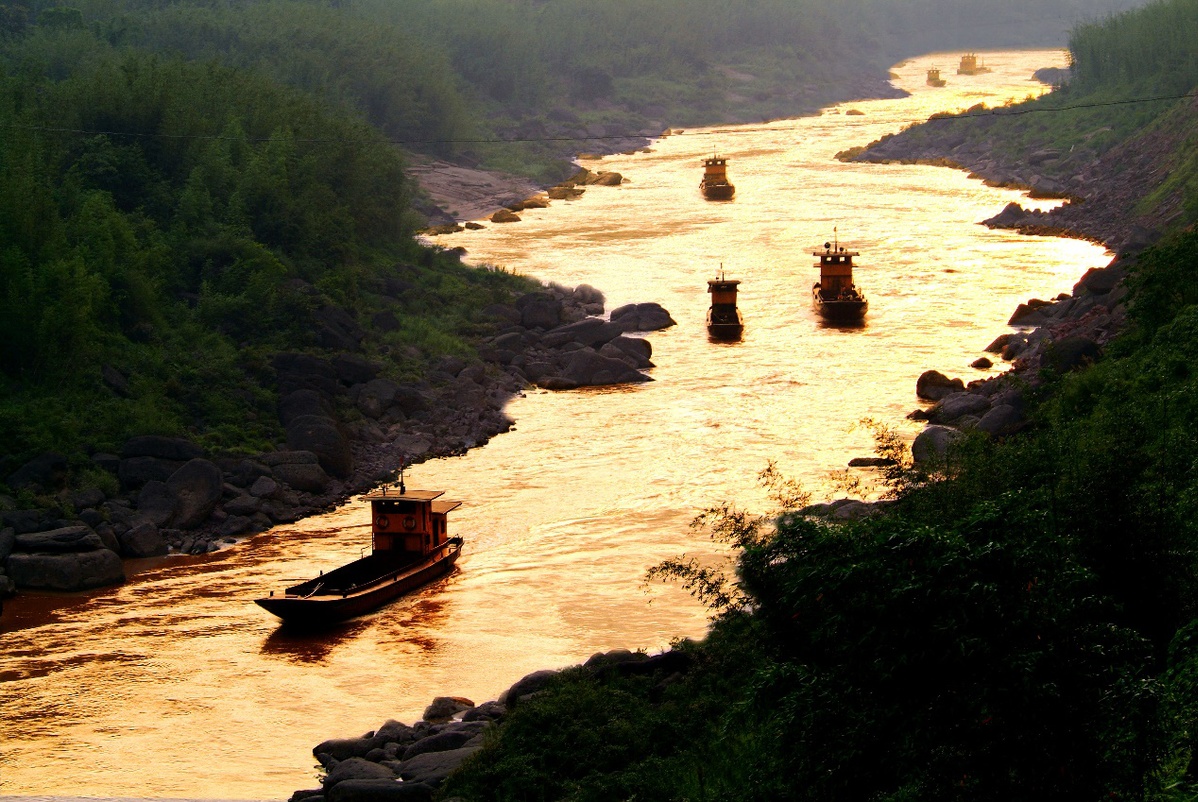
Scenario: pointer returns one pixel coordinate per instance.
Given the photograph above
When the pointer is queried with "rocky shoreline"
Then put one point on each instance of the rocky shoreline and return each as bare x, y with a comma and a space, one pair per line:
347, 430
409, 762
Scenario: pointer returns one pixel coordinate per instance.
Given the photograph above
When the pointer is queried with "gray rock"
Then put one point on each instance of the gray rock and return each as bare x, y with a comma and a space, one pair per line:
441, 742
59, 541
322, 438
8, 541
354, 369
487, 711
309, 478
264, 487
197, 487
156, 502
234, 525
341, 749
1000, 419
23, 521
981, 363
143, 540
134, 472
1072, 352
932, 385
394, 731
68, 572
444, 708
642, 317
587, 367
539, 310
529, 684
304, 401
168, 448
376, 396
380, 791
356, 768
432, 768
958, 405
932, 444
87, 498
46, 471
243, 505
277, 458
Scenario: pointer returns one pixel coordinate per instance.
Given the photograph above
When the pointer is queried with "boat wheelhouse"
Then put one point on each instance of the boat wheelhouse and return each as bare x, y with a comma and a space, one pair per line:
934, 78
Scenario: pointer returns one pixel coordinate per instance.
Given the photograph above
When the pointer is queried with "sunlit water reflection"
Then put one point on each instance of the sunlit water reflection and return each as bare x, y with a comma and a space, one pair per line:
175, 684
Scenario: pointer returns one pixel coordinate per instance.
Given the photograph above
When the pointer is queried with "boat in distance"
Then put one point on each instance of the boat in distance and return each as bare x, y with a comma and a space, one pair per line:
971, 65
934, 78
715, 184
724, 320
835, 295
410, 548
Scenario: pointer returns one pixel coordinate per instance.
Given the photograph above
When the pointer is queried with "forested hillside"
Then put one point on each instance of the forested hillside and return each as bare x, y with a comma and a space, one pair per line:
188, 186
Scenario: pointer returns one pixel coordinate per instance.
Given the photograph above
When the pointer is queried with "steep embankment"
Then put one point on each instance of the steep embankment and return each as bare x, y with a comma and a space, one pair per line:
1124, 197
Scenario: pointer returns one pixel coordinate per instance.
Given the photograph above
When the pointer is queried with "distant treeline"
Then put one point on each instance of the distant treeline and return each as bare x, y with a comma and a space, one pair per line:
1153, 50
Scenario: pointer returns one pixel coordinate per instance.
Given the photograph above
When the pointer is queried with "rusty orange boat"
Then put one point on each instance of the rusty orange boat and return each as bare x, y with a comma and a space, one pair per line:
411, 546
715, 184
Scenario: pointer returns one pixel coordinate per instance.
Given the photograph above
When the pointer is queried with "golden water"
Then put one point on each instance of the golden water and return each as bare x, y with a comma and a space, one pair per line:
176, 684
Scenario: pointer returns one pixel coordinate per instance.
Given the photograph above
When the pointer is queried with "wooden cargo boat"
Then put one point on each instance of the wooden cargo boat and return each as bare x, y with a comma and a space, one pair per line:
715, 184
410, 547
835, 295
970, 65
724, 321
934, 78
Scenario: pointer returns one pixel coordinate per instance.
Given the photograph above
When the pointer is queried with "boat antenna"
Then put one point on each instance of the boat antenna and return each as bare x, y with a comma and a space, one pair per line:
835, 239
402, 465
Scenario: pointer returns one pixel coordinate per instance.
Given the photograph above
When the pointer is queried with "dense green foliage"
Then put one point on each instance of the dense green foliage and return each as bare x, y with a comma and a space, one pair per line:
1019, 626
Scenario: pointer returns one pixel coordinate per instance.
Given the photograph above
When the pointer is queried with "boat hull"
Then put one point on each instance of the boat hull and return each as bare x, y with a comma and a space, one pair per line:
717, 191
307, 605
725, 326
839, 309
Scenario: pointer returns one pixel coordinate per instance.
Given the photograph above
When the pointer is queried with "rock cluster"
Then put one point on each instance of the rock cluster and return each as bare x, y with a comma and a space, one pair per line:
347, 427
1059, 335
402, 762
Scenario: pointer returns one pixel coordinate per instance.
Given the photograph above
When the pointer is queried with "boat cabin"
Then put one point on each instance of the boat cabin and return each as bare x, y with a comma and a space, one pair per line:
934, 78
723, 294
409, 521
835, 270
715, 170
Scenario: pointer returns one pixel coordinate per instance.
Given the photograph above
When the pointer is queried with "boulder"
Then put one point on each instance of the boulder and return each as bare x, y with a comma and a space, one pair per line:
487, 711
143, 540
444, 708
376, 396
642, 317
981, 363
932, 385
356, 768
589, 368
23, 521
505, 216
431, 768
87, 498
1072, 352
174, 449
197, 487
354, 369
539, 310
591, 332
441, 742
525, 686
134, 472
59, 541
306, 477
156, 502
1000, 419
8, 541
67, 572
932, 444
322, 438
958, 405
46, 471
380, 790
243, 505
302, 402
264, 487
341, 749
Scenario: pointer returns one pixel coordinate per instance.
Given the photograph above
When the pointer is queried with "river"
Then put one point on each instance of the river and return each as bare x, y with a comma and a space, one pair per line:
176, 685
